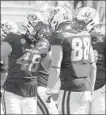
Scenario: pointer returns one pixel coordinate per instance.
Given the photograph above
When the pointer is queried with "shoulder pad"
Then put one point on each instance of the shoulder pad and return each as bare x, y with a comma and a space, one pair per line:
85, 33
12, 37
65, 26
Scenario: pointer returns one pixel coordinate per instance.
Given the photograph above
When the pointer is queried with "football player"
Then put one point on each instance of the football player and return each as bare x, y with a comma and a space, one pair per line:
42, 78
25, 53
99, 46
98, 95
6, 27
73, 61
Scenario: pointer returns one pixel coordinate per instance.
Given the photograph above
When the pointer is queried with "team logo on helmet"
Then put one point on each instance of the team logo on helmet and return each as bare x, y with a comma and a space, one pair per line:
31, 17
88, 14
58, 15
23, 41
7, 27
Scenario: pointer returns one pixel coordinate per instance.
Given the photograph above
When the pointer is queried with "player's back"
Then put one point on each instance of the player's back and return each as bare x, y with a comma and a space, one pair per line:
75, 67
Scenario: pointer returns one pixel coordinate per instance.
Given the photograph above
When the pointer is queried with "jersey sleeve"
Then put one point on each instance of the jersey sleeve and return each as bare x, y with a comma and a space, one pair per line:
15, 41
56, 39
9, 38
6, 49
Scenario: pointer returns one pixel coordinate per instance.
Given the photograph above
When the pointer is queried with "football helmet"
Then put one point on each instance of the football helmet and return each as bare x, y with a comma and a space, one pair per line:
86, 17
7, 27
35, 26
58, 15
42, 30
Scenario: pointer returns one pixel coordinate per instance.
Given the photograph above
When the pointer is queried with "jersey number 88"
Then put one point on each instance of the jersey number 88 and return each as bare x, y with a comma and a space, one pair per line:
80, 49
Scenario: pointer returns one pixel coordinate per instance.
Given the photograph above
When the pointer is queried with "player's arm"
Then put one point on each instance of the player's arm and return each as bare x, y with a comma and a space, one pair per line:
93, 68
6, 50
57, 55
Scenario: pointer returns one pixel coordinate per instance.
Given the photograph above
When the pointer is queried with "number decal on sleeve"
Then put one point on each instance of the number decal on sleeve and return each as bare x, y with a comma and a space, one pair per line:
80, 49
29, 62
42, 45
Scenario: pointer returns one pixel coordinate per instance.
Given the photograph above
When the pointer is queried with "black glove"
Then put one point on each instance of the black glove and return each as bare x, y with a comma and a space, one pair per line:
48, 98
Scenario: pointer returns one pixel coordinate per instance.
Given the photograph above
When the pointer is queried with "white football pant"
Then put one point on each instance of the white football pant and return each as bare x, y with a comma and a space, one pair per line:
98, 101
70, 102
15, 104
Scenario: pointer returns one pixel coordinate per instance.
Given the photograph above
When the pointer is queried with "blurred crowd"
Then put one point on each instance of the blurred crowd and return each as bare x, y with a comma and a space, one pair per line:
45, 6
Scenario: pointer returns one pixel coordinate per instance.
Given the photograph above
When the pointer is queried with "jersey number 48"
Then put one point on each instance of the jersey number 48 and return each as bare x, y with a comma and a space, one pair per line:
29, 62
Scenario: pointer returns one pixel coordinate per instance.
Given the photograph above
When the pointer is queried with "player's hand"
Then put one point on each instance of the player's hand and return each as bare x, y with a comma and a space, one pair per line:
48, 97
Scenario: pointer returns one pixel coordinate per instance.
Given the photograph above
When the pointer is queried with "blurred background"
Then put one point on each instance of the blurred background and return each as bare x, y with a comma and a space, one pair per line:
17, 10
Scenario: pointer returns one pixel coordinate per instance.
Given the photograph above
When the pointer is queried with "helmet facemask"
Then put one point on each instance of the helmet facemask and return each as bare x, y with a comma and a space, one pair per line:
43, 30
30, 34
79, 25
37, 32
